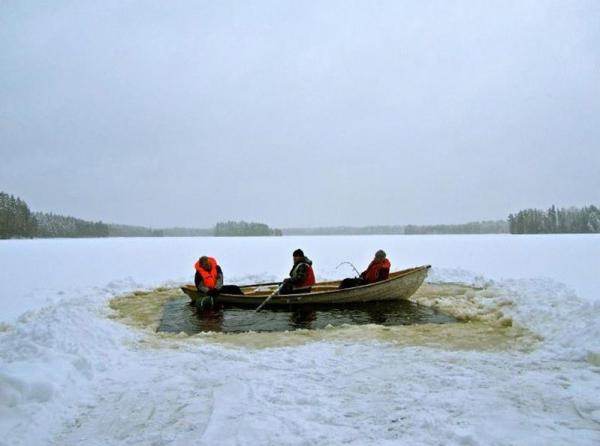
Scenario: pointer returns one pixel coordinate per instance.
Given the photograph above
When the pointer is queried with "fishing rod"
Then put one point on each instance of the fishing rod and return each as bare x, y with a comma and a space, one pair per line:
353, 267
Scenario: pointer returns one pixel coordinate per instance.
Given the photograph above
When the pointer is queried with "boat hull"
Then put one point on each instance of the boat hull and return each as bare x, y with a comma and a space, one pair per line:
400, 285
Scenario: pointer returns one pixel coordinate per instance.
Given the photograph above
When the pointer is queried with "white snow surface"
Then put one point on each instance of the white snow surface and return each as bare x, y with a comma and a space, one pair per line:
72, 375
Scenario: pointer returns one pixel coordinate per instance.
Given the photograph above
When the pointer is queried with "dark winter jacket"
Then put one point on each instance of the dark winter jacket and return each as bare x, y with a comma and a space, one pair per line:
300, 270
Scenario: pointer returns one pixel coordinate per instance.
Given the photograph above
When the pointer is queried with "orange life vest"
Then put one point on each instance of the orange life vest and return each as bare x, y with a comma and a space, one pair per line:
372, 272
309, 278
209, 278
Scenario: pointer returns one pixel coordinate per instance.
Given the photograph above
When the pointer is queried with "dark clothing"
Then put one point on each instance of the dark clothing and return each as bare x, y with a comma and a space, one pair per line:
351, 282
288, 288
232, 289
204, 302
299, 273
200, 284
210, 300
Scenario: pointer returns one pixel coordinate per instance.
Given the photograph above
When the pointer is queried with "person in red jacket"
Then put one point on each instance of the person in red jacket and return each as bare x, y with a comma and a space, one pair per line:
302, 276
209, 276
378, 269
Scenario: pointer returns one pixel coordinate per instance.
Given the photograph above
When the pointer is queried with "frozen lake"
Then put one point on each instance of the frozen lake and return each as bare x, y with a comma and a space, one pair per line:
522, 367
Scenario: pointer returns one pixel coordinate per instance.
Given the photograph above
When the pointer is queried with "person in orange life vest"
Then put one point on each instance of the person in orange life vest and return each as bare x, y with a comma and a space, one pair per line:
378, 269
209, 276
302, 276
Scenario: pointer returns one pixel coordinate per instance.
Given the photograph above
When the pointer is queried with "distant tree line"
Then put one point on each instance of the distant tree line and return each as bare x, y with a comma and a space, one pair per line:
16, 220
345, 230
477, 227
188, 232
220, 230
133, 231
141, 231
53, 226
480, 227
244, 229
553, 221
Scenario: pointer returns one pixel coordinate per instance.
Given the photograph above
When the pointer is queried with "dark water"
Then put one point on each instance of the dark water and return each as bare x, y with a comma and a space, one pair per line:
180, 316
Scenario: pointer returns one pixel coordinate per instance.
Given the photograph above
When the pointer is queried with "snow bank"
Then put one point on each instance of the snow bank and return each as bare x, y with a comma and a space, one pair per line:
70, 374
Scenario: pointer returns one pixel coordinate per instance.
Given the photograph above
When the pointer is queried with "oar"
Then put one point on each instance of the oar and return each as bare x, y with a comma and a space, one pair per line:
268, 298
261, 284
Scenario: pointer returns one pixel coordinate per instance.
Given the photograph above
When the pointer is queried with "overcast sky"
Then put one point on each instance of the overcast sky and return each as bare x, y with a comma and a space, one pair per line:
299, 113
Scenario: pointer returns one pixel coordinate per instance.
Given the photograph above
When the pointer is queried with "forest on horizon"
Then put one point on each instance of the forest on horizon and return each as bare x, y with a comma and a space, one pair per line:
18, 221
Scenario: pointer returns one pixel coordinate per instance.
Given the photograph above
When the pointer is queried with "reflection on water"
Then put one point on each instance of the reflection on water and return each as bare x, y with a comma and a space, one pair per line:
179, 316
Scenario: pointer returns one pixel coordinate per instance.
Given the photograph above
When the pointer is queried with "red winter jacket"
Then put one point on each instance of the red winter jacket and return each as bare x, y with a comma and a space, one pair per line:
377, 271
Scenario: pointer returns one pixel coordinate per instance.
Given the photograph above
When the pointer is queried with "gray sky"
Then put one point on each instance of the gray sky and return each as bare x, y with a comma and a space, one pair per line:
299, 113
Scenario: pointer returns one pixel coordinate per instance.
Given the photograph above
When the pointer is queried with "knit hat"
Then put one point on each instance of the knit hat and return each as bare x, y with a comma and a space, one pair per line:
298, 253
380, 254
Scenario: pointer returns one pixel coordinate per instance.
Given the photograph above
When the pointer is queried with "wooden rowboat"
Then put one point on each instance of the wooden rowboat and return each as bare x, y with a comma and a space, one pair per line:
400, 285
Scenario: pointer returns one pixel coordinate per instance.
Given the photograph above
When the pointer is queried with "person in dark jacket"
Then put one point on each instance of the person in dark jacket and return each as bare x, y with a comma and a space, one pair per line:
209, 276
302, 276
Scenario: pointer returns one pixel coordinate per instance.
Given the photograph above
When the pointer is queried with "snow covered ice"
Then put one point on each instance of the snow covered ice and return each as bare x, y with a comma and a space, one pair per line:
524, 369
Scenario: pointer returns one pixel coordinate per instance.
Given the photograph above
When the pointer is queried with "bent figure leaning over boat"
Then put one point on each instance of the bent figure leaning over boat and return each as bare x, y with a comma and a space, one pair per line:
209, 276
209, 282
